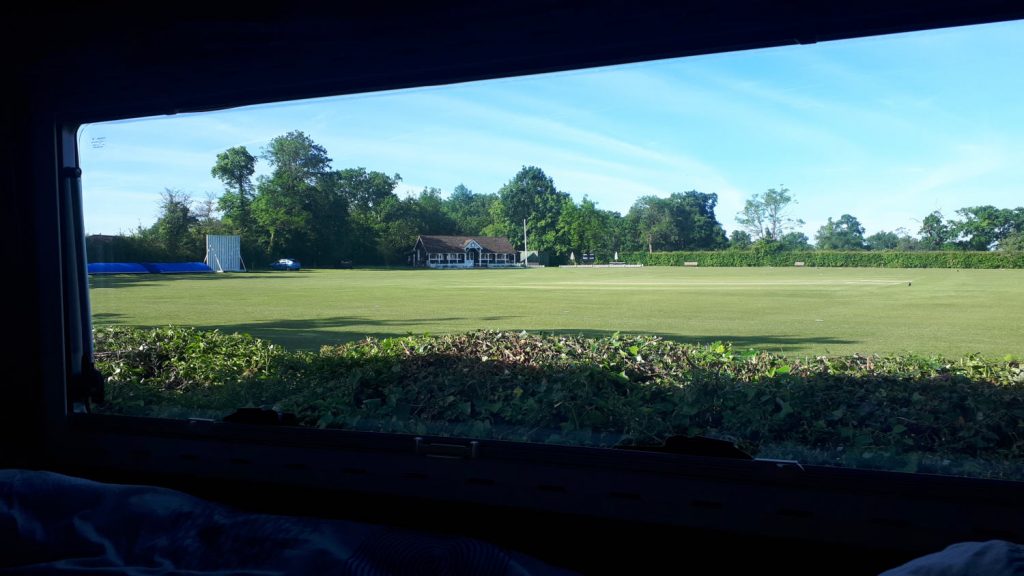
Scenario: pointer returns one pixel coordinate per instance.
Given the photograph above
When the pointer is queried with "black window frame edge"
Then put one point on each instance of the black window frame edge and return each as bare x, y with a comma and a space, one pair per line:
877, 510
752, 498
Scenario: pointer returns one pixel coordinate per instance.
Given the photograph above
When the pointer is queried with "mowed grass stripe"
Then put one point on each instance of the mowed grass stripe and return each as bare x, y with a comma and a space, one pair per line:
797, 311
680, 285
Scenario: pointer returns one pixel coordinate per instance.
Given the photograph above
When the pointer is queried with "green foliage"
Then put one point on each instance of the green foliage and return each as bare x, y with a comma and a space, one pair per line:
795, 241
290, 202
470, 212
235, 167
740, 240
683, 220
177, 235
371, 201
307, 210
173, 226
847, 233
530, 195
772, 254
934, 232
882, 240
584, 228
765, 216
141, 245
1013, 242
590, 391
984, 227
176, 369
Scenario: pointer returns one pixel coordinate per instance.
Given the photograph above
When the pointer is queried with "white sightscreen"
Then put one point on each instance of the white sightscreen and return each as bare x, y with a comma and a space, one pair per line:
224, 254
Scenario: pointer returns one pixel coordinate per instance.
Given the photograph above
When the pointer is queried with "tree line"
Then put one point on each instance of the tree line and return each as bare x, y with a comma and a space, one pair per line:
306, 209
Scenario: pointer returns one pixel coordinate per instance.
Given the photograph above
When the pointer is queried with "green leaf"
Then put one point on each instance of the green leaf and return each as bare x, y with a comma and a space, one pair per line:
786, 409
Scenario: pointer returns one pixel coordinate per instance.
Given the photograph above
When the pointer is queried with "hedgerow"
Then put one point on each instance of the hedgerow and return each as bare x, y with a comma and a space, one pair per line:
830, 259
912, 413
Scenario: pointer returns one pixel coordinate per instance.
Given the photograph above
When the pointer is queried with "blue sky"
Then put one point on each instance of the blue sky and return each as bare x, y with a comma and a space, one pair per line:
887, 129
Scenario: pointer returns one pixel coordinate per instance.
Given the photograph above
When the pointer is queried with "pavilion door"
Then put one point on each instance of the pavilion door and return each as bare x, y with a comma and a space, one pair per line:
473, 255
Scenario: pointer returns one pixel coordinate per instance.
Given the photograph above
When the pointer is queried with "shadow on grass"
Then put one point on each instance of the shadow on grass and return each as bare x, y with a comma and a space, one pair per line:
311, 334
129, 280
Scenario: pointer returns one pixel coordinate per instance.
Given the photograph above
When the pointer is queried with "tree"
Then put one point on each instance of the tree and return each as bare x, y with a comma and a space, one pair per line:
235, 167
470, 212
908, 243
694, 215
882, 241
740, 240
207, 222
935, 233
583, 228
766, 215
1013, 242
372, 202
292, 206
368, 191
683, 221
843, 234
985, 227
530, 195
650, 222
428, 211
397, 229
173, 227
795, 241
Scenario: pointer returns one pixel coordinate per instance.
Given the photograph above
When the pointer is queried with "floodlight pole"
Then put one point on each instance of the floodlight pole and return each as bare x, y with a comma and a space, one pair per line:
526, 250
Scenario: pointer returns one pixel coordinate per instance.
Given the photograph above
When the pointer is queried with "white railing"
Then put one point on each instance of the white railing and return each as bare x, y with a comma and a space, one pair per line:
442, 265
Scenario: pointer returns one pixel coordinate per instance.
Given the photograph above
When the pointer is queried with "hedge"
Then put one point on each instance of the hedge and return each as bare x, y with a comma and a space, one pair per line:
908, 413
830, 259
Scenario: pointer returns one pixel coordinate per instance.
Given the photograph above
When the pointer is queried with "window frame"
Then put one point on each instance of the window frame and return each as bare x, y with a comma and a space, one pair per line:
869, 508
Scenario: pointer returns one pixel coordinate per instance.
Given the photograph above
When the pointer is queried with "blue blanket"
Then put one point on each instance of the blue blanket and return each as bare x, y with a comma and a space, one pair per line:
55, 524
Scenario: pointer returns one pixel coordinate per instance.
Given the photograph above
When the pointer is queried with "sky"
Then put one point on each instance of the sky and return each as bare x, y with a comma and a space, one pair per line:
887, 129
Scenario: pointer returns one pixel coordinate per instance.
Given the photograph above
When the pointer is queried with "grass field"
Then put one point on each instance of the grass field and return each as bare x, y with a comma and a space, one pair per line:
798, 311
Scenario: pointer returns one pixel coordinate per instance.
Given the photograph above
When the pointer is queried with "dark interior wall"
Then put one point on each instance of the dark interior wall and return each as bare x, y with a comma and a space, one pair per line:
111, 60
88, 63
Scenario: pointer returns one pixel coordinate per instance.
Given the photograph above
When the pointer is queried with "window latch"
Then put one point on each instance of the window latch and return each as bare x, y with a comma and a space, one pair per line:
452, 450
262, 417
87, 386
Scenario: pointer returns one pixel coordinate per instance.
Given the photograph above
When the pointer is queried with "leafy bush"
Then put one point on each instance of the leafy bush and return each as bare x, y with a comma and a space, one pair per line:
912, 413
827, 258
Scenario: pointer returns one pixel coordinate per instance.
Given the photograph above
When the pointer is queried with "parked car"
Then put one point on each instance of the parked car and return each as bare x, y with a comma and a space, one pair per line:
286, 264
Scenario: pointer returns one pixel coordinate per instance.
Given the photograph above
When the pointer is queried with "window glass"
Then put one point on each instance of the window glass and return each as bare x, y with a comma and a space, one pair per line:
815, 252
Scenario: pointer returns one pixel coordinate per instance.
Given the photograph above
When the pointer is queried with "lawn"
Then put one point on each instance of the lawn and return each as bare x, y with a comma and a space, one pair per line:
795, 311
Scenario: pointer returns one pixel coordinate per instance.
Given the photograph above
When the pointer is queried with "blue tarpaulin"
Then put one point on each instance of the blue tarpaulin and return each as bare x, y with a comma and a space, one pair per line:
117, 268
148, 268
177, 267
